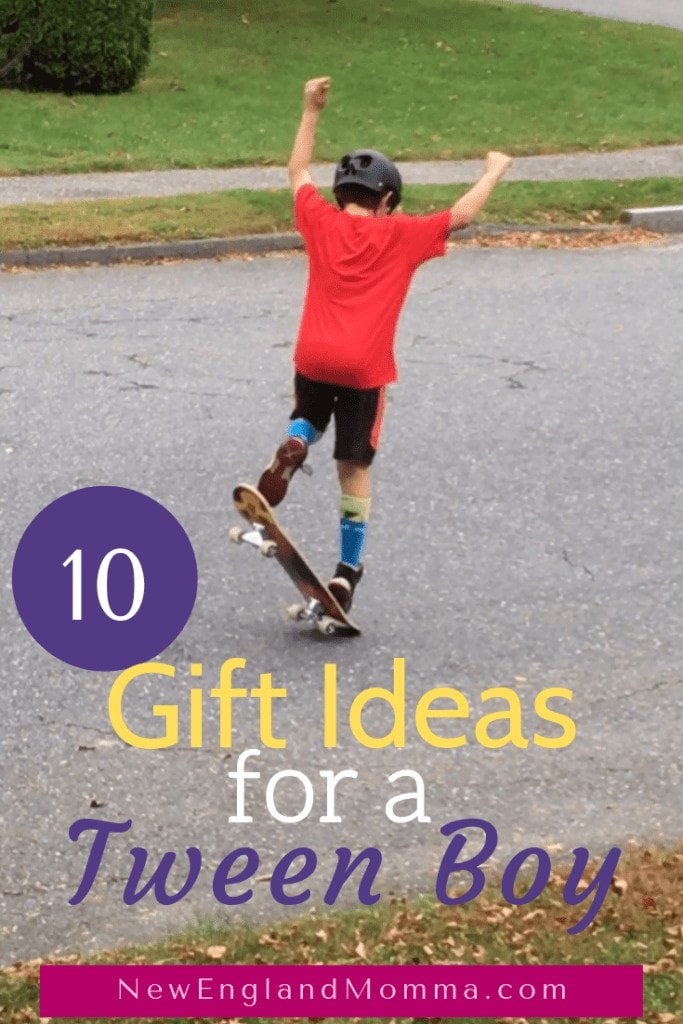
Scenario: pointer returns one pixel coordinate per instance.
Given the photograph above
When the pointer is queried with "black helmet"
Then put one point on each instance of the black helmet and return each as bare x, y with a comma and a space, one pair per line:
372, 170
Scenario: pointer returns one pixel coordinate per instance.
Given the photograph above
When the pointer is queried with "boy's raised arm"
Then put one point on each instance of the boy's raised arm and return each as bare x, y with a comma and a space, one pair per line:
465, 209
315, 98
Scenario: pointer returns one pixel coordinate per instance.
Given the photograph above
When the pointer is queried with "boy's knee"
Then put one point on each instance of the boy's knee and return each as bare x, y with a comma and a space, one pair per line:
354, 477
357, 510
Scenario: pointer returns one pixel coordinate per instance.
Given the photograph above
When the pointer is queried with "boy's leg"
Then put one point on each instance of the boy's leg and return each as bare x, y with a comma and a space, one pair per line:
311, 414
358, 420
354, 510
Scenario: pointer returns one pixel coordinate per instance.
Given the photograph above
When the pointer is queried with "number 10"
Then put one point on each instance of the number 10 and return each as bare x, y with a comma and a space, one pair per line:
75, 560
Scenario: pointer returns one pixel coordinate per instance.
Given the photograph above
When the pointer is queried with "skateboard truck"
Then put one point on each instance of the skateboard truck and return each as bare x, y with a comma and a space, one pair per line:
256, 538
309, 612
314, 612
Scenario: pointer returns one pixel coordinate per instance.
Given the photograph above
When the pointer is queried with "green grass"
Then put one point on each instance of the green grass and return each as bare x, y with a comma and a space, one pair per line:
639, 923
223, 214
417, 78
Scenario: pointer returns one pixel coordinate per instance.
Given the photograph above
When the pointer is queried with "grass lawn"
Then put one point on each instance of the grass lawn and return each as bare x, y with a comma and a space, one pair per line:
416, 78
223, 214
638, 924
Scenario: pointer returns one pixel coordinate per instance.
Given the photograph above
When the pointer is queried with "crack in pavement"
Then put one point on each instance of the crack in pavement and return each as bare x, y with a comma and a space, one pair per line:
135, 358
222, 753
135, 385
662, 684
575, 565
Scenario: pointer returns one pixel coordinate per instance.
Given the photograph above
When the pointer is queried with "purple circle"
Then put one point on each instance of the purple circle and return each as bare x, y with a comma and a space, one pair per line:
104, 578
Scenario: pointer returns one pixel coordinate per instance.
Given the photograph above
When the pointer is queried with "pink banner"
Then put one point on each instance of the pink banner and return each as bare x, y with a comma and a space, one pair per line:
338, 991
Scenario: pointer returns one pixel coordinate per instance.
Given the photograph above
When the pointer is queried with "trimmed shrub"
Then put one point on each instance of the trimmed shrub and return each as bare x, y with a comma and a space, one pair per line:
97, 46
18, 29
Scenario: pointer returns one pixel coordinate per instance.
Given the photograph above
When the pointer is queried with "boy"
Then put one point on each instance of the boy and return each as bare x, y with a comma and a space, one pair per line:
361, 261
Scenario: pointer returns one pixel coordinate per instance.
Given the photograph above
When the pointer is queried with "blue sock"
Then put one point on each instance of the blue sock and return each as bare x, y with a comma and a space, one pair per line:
353, 526
352, 541
303, 428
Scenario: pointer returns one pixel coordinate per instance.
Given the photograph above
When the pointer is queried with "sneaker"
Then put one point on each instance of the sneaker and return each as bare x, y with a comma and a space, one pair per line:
287, 459
343, 584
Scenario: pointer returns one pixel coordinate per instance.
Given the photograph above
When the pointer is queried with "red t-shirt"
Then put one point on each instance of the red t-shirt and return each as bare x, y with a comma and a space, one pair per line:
359, 272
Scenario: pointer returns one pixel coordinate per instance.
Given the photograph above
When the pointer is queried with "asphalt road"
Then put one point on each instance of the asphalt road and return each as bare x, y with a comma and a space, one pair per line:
527, 532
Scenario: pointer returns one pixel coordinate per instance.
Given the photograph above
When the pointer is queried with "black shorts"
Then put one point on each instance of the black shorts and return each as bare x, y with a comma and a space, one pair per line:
358, 415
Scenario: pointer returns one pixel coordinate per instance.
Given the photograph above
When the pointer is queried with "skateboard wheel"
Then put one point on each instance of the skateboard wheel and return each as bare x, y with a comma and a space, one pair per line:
293, 612
326, 626
235, 534
268, 548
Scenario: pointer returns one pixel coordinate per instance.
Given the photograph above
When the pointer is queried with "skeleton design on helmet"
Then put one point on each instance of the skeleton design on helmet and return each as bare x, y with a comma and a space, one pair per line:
372, 170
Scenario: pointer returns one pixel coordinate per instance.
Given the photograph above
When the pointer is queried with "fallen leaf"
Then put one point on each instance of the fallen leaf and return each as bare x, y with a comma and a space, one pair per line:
215, 952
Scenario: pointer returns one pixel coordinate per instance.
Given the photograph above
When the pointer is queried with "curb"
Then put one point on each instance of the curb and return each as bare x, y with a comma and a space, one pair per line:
108, 255
656, 218
244, 245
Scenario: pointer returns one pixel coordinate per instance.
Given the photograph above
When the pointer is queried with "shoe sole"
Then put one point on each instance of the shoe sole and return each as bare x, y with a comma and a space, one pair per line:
275, 479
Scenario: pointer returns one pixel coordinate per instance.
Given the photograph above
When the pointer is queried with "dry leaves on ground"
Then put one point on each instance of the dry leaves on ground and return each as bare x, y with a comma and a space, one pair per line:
559, 240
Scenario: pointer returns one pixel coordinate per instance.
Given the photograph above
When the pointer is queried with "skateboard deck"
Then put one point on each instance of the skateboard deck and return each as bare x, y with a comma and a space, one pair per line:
321, 607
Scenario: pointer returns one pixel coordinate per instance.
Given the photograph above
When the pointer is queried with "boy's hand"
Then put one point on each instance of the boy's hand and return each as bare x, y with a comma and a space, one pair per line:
497, 163
315, 93
315, 98
467, 207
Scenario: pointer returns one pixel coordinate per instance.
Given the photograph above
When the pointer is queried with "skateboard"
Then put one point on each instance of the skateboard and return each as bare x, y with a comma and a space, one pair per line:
265, 534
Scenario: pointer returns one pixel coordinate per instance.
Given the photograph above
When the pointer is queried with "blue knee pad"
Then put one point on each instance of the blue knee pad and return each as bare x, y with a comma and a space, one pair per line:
303, 428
